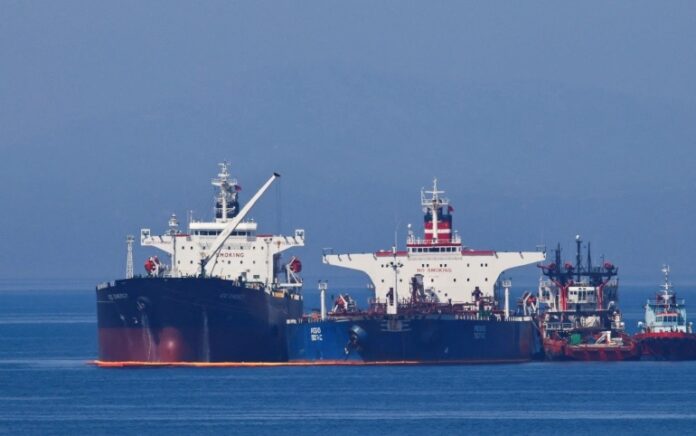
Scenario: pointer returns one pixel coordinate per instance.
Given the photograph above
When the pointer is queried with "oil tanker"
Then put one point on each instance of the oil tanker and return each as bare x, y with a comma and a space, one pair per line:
438, 301
225, 295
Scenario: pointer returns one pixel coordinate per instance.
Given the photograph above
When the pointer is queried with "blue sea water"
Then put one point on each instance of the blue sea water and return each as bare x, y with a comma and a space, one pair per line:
47, 338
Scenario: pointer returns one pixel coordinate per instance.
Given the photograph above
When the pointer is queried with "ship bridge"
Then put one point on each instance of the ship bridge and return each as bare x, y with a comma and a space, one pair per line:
227, 247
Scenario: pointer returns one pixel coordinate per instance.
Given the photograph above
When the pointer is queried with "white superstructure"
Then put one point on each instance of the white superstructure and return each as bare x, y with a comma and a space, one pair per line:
451, 271
228, 247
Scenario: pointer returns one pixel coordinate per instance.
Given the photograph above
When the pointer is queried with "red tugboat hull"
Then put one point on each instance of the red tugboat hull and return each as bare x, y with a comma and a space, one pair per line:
668, 345
557, 349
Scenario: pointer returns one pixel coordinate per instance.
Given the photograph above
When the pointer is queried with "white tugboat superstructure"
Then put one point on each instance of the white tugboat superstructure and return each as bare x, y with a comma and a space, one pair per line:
451, 271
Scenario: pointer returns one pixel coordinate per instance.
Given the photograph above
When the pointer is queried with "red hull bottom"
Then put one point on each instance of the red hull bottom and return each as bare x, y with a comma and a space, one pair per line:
560, 350
668, 345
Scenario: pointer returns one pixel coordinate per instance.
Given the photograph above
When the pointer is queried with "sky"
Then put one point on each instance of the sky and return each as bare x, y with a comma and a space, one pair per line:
541, 120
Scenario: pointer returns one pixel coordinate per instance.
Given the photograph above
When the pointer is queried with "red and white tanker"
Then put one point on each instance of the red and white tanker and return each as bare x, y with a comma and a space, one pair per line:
451, 271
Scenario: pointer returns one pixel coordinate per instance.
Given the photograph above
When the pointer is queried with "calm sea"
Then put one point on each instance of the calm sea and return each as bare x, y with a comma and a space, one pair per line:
47, 387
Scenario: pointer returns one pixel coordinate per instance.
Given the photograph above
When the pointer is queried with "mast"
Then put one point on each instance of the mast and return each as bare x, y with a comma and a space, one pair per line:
232, 224
578, 257
431, 207
665, 271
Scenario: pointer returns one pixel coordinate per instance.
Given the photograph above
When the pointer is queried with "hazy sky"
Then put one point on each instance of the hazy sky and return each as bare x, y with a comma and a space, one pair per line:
541, 120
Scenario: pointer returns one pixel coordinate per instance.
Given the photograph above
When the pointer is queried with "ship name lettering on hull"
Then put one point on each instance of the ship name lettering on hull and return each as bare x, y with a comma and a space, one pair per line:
226, 296
121, 296
228, 254
315, 334
434, 270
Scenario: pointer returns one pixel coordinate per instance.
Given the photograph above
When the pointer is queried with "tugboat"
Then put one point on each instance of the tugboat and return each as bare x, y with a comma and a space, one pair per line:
434, 303
221, 299
578, 316
666, 335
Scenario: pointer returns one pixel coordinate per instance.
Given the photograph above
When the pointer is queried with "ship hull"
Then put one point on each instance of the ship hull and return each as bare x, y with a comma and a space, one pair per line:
426, 339
668, 345
191, 320
561, 350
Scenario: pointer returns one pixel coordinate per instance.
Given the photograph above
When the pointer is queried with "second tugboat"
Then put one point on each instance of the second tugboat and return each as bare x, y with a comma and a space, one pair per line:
666, 335
225, 297
435, 302
578, 317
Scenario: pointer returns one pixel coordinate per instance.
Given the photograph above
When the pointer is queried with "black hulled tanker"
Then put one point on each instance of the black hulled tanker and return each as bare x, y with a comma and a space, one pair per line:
225, 297
192, 320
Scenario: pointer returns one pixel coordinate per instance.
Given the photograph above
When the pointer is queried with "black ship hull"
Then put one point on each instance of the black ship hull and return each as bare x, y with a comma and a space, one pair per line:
192, 320
426, 339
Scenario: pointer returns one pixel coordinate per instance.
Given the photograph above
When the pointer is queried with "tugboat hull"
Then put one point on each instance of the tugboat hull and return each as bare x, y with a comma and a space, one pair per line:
558, 350
424, 339
192, 320
668, 345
